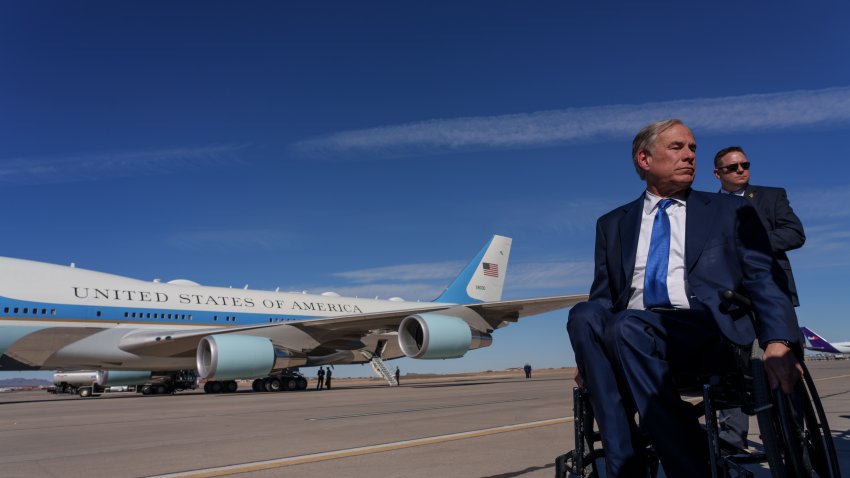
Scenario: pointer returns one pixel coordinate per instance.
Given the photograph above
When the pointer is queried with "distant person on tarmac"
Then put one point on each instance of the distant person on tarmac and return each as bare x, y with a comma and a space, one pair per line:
397, 376
527, 369
321, 381
328, 378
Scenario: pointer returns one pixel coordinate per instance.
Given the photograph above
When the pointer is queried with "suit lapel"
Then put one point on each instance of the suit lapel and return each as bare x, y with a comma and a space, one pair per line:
629, 227
698, 226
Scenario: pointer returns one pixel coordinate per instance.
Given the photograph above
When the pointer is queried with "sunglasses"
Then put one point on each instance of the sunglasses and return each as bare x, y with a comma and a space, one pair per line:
733, 168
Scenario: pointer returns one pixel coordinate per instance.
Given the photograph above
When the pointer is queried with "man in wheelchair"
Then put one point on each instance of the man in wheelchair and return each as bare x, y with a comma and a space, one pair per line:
655, 310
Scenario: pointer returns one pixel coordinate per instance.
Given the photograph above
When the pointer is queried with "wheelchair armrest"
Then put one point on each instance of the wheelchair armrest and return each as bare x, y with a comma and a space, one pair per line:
735, 304
734, 298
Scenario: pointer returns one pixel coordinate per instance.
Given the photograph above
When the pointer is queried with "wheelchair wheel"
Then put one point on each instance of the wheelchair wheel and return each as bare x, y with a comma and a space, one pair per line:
584, 460
825, 448
804, 426
765, 413
587, 461
793, 428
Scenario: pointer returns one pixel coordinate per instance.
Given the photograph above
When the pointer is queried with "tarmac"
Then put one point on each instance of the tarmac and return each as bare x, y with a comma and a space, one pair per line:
494, 425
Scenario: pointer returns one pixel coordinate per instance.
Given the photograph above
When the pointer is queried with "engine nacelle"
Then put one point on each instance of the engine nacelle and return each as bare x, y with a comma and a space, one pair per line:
117, 378
437, 336
232, 356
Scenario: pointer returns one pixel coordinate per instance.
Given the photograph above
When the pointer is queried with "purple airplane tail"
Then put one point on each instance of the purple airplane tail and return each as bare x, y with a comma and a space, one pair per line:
818, 343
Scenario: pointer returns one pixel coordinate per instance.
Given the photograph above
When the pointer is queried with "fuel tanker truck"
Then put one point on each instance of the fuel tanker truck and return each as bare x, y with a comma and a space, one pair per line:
89, 383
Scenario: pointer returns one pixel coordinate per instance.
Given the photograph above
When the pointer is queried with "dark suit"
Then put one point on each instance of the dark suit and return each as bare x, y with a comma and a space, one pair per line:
785, 232
783, 227
630, 359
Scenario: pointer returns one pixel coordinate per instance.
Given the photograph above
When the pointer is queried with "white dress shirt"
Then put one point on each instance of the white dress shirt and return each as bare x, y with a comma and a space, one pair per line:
676, 288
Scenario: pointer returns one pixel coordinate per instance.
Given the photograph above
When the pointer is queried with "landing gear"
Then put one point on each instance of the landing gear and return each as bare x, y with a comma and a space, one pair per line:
286, 380
290, 383
273, 384
280, 381
228, 386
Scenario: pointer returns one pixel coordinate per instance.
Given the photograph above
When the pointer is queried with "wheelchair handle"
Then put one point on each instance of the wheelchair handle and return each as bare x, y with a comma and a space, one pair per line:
735, 298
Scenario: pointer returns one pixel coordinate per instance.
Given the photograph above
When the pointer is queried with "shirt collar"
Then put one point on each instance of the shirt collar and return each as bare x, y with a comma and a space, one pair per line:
738, 192
650, 201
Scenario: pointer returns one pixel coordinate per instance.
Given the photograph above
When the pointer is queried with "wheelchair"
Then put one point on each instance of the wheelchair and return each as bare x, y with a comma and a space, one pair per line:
796, 439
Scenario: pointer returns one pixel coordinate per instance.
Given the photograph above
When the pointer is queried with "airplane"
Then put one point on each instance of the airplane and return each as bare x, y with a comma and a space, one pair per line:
55, 317
820, 344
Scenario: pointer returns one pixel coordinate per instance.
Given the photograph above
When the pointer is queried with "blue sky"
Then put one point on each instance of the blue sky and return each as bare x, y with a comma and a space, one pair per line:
350, 146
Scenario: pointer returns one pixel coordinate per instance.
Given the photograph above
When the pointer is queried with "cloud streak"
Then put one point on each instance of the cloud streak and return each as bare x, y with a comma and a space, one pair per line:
404, 273
545, 128
92, 167
822, 203
824, 211
555, 275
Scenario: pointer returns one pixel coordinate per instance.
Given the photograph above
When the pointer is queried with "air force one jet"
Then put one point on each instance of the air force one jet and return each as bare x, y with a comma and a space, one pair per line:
820, 344
65, 318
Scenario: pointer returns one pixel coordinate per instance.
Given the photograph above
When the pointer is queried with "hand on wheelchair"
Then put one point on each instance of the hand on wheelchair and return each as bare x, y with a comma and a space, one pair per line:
781, 365
783, 369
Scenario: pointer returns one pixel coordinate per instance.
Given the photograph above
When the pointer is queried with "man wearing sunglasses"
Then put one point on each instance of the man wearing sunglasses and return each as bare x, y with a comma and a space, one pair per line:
785, 231
732, 168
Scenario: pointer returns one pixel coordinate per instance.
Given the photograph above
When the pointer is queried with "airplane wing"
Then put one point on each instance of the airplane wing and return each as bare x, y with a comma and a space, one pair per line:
496, 313
493, 312
344, 331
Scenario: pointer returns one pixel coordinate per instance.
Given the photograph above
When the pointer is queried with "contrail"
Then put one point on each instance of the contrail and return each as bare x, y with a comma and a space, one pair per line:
92, 167
545, 128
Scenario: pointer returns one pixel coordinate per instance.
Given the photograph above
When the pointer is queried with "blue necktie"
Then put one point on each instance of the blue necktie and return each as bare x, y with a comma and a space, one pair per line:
655, 281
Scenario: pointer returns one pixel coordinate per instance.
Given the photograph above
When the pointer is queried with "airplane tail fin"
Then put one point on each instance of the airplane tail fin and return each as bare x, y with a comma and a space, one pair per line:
817, 342
483, 279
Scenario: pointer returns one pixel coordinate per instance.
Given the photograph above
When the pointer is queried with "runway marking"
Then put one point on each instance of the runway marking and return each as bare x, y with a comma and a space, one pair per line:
831, 378
424, 409
365, 450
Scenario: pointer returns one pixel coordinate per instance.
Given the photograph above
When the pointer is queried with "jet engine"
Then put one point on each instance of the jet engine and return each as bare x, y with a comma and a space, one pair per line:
117, 378
437, 336
232, 356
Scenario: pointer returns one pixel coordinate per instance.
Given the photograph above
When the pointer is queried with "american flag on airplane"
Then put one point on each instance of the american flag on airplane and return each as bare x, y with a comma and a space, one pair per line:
491, 270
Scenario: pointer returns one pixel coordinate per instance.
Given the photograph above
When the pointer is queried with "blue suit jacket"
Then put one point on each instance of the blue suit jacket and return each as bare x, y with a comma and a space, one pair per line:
726, 247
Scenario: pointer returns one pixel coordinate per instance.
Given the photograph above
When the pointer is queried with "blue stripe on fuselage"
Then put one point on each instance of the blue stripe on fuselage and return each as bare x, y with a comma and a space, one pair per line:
13, 309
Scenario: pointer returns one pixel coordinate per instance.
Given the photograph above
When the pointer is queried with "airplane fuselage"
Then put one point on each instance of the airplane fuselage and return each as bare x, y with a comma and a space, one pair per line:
64, 318
836, 348
83, 315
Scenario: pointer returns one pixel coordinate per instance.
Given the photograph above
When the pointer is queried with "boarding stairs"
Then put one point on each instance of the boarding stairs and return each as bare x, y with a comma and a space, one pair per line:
380, 368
